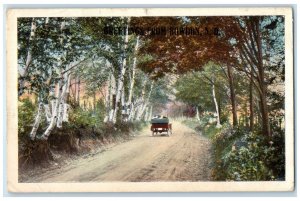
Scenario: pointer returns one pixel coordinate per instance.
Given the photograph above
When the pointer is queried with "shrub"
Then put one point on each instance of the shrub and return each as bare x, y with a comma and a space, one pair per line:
241, 155
246, 156
82, 118
26, 114
247, 159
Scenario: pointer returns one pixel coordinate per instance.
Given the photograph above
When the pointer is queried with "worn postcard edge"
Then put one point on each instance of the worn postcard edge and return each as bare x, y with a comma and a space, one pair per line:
12, 101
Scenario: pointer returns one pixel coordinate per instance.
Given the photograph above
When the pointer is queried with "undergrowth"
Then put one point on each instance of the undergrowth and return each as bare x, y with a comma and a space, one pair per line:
84, 124
241, 155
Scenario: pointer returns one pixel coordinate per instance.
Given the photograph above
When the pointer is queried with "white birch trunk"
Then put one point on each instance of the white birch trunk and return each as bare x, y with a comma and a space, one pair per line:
139, 112
65, 116
66, 113
36, 122
150, 113
216, 105
111, 97
62, 100
131, 112
47, 112
197, 114
53, 103
134, 112
62, 87
31, 38
54, 114
121, 79
145, 103
129, 103
139, 109
107, 99
60, 113
123, 101
146, 114
139, 103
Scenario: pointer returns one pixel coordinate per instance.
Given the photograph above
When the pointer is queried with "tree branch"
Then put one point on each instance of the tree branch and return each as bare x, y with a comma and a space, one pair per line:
75, 65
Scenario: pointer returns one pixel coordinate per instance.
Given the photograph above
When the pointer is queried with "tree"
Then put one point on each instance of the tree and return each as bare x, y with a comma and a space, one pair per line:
242, 43
118, 50
256, 53
210, 88
184, 53
55, 47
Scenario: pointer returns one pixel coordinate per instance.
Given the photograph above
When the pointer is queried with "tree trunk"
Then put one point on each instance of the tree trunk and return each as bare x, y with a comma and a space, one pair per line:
107, 100
255, 60
47, 112
63, 108
262, 85
112, 97
123, 101
65, 117
145, 102
137, 106
54, 114
150, 113
131, 112
36, 122
129, 103
197, 114
146, 113
251, 103
121, 78
265, 115
57, 114
232, 96
216, 104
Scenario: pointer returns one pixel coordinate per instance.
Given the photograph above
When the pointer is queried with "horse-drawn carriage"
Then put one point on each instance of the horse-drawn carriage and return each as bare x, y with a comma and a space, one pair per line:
160, 124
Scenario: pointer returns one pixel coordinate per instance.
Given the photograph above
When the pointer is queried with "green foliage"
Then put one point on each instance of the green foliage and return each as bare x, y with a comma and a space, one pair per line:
185, 87
159, 93
241, 155
206, 126
26, 114
195, 89
82, 118
52, 48
91, 122
94, 74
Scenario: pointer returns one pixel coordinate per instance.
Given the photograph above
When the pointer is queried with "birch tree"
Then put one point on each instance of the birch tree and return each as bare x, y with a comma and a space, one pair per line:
210, 90
144, 102
129, 104
53, 50
120, 82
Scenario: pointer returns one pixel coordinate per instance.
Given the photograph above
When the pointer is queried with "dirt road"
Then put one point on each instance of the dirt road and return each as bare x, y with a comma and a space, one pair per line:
185, 156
